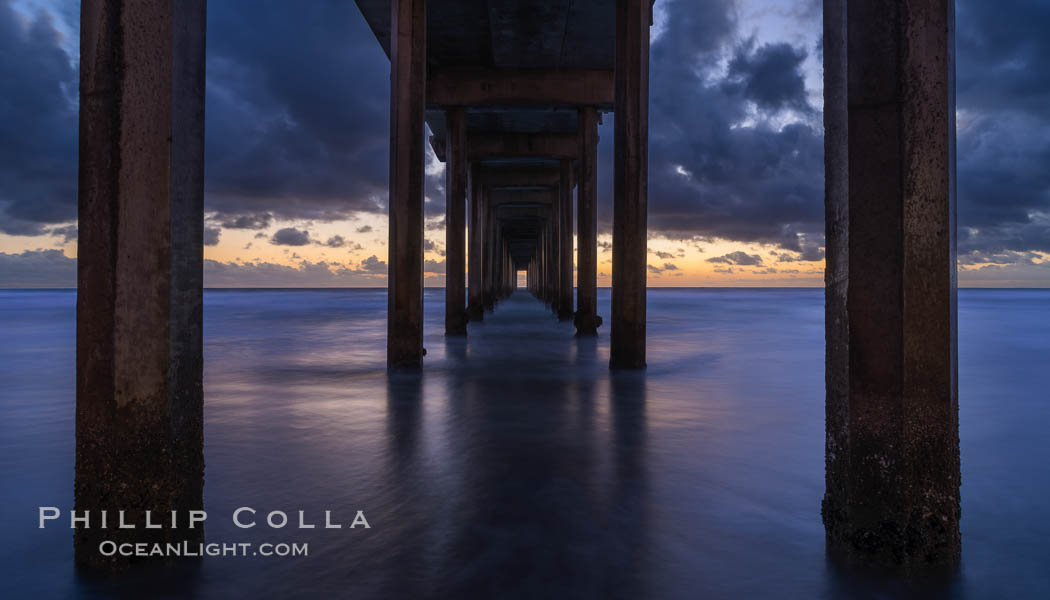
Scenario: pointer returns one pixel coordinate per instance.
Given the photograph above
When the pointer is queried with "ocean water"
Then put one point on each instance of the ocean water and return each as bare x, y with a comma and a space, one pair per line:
516, 465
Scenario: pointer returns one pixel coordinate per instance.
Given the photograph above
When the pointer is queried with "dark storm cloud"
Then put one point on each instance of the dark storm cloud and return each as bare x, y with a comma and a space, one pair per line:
297, 125
1002, 52
290, 236
768, 76
719, 167
297, 110
37, 125
1004, 129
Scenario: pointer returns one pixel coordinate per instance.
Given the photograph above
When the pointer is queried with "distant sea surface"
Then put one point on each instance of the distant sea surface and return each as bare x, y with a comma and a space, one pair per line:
516, 465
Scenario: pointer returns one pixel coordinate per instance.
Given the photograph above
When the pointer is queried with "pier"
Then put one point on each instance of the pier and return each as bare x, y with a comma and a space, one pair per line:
513, 92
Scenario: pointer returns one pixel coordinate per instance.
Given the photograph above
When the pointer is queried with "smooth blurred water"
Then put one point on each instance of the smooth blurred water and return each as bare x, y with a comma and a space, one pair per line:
516, 465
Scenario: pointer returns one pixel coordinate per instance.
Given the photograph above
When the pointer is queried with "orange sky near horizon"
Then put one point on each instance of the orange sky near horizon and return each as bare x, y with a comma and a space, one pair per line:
673, 263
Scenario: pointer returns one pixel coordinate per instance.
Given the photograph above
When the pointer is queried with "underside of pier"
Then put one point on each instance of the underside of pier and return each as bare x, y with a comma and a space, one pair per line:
513, 92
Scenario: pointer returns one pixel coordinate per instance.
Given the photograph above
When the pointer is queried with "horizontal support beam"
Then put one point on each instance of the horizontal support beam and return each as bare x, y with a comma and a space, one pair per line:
552, 145
483, 87
524, 198
518, 177
514, 145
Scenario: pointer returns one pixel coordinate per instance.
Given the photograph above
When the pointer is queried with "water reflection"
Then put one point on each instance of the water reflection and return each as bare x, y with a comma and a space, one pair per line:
539, 504
516, 465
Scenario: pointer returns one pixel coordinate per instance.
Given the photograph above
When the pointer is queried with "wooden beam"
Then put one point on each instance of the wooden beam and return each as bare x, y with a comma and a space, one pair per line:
139, 360
472, 86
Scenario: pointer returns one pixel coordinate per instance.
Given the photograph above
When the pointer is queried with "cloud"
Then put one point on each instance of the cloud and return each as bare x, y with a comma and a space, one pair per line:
1003, 94
303, 274
718, 168
336, 241
37, 125
810, 252
736, 150
658, 270
37, 268
248, 221
290, 236
738, 258
372, 264
768, 76
68, 233
211, 236
431, 246
436, 267
288, 131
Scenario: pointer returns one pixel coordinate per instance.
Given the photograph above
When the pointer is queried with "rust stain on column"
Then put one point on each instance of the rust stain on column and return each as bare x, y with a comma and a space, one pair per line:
139, 412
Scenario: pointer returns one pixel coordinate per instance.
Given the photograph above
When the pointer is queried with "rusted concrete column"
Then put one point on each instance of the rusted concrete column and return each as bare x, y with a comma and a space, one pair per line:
139, 410
892, 461
408, 65
630, 182
475, 305
542, 263
508, 271
488, 252
497, 262
551, 261
565, 311
587, 320
530, 276
553, 246
455, 223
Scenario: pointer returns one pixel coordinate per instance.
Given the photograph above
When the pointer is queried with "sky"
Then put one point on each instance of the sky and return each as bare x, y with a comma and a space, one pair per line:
297, 129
